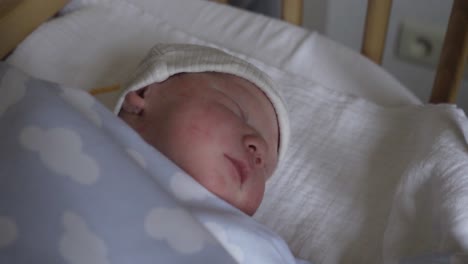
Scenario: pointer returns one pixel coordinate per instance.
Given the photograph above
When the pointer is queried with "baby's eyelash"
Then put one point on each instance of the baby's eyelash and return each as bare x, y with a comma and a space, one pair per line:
239, 110
243, 113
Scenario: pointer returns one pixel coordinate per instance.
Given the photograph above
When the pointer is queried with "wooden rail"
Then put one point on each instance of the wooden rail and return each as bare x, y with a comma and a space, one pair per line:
291, 11
454, 52
18, 18
375, 29
453, 56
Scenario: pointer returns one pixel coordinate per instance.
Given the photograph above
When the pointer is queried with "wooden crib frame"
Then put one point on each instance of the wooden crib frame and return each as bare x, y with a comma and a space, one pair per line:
454, 52
18, 18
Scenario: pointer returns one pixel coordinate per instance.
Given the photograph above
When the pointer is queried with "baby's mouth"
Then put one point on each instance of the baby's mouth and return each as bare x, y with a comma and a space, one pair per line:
240, 167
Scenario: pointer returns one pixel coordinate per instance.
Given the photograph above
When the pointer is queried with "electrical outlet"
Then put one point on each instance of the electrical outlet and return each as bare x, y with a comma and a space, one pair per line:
420, 43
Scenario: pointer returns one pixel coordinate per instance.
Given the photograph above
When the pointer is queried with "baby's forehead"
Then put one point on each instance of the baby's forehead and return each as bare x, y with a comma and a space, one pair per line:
204, 83
225, 82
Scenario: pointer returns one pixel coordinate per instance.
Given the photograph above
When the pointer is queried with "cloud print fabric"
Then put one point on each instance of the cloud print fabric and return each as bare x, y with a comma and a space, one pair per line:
78, 186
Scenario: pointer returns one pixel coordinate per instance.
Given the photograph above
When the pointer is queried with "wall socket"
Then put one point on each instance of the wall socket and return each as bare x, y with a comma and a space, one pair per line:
420, 44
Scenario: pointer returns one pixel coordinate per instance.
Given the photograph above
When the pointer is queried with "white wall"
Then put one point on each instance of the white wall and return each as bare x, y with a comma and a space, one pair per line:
343, 21
315, 15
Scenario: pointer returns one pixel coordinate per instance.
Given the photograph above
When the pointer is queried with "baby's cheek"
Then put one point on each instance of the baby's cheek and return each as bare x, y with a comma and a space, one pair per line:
207, 125
197, 130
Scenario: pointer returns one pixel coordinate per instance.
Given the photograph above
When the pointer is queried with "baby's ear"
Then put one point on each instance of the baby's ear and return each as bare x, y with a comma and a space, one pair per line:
134, 102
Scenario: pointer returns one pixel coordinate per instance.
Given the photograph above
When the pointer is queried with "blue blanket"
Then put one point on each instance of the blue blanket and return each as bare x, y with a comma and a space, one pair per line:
77, 185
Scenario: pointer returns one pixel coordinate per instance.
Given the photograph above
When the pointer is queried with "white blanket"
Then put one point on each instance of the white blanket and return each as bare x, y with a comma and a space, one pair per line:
376, 184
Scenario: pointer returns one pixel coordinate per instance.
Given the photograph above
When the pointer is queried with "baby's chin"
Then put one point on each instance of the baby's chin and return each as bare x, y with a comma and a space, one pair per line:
251, 210
248, 203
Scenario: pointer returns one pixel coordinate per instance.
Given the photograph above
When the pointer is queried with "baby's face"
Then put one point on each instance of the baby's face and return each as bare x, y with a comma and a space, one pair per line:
219, 128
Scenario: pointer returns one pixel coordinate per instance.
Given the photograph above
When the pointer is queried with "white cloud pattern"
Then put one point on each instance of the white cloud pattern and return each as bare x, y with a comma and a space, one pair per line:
176, 227
186, 189
78, 244
60, 149
8, 231
137, 157
84, 102
221, 234
15, 84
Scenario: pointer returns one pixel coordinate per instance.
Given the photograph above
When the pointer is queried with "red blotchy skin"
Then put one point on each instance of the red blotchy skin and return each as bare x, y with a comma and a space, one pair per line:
197, 131
221, 129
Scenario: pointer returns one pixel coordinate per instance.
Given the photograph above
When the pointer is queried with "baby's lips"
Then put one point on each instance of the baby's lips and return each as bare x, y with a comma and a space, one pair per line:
241, 167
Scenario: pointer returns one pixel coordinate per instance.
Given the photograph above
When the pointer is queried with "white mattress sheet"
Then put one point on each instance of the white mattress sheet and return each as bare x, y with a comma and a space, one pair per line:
69, 50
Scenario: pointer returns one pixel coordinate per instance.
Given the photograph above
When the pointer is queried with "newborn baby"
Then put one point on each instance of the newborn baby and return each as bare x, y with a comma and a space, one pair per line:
214, 115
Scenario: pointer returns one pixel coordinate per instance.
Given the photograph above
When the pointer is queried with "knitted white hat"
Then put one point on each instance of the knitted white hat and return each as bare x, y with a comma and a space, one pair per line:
165, 60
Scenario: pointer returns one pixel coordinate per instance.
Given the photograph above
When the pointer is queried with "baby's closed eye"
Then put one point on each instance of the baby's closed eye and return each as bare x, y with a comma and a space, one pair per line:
235, 108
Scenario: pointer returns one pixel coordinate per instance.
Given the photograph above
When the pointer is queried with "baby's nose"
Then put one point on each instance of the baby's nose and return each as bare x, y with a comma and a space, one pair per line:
256, 148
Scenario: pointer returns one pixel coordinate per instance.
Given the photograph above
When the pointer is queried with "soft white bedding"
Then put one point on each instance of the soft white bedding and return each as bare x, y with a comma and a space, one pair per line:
345, 193
370, 184
83, 45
